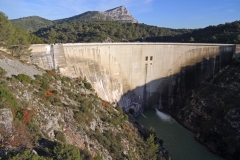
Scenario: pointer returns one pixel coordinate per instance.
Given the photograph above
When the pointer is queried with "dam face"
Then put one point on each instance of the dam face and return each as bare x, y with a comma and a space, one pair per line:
146, 73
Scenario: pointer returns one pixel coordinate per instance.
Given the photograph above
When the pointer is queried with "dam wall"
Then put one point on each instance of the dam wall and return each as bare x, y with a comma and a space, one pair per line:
146, 73
237, 53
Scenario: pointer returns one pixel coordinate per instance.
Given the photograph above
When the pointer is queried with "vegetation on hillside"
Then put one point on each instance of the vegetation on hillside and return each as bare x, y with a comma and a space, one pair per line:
100, 31
129, 32
90, 16
56, 117
93, 26
32, 23
222, 33
14, 39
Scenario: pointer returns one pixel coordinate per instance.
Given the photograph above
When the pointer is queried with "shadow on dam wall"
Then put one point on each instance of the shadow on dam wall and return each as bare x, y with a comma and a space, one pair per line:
146, 73
173, 89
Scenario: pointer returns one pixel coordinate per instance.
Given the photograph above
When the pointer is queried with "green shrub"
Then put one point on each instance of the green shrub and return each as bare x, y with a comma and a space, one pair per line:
87, 85
60, 136
19, 115
78, 116
37, 77
65, 79
64, 151
2, 72
6, 98
27, 154
47, 76
23, 78
98, 157
45, 85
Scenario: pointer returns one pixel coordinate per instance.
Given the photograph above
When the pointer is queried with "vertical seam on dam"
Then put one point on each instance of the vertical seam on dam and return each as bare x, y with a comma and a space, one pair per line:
149, 71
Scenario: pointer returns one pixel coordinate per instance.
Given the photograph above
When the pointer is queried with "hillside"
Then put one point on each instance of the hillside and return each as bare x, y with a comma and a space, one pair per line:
122, 32
32, 23
47, 116
95, 26
120, 14
222, 33
212, 112
89, 16
102, 31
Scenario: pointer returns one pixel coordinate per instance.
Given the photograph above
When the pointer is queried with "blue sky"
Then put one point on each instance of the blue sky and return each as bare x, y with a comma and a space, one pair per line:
162, 13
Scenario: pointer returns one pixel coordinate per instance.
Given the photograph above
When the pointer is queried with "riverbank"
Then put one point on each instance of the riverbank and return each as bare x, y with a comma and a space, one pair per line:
162, 152
179, 141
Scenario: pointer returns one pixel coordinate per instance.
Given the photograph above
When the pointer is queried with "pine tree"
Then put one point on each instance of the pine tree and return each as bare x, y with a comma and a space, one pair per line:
5, 29
151, 148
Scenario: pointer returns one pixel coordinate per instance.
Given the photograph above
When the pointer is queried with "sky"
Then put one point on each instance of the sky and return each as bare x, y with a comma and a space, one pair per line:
162, 13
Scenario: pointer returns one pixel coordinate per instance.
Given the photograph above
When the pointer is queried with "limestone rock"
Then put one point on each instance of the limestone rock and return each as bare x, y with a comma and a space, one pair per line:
120, 14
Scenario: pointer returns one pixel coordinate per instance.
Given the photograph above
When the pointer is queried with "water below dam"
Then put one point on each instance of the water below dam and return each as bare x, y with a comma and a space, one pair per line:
178, 140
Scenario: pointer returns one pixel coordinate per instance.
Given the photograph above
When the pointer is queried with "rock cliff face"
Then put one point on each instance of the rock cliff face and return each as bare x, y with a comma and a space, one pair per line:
212, 112
120, 14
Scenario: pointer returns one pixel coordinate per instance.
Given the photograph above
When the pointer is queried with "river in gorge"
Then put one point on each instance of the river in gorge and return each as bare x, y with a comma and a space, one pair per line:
178, 140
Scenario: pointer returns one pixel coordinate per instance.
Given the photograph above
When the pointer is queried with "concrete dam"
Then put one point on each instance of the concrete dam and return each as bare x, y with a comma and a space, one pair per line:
137, 73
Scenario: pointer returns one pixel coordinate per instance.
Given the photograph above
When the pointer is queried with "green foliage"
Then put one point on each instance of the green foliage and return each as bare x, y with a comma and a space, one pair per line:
45, 84
6, 29
117, 32
2, 72
25, 155
6, 97
60, 136
87, 85
191, 39
32, 23
94, 27
98, 157
16, 40
18, 44
89, 16
152, 131
100, 31
110, 142
19, 115
151, 148
33, 39
64, 151
222, 33
23, 78
125, 117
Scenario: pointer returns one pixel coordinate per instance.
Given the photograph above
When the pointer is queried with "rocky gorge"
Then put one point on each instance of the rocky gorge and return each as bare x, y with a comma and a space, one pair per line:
212, 112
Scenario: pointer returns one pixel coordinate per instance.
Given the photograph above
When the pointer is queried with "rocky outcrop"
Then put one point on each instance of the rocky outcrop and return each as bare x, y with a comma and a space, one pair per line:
212, 112
120, 14
51, 109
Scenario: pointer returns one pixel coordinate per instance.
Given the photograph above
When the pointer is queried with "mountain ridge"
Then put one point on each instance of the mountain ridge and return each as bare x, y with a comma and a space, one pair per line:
33, 23
120, 14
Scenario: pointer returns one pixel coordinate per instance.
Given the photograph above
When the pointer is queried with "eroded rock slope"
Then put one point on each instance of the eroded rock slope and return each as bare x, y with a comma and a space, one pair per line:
212, 111
48, 116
